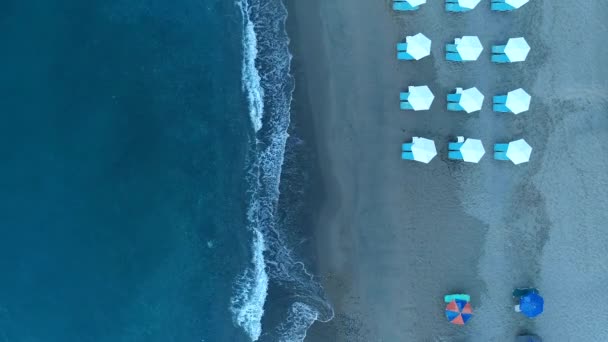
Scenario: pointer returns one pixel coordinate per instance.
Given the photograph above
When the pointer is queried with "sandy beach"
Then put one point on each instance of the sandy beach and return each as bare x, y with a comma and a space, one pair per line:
395, 236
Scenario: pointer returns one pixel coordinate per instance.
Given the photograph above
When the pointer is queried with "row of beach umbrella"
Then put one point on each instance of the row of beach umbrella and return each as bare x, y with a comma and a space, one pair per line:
529, 303
419, 98
464, 49
467, 150
460, 5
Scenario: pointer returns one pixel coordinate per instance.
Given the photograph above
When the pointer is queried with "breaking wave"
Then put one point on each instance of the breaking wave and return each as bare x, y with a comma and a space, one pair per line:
268, 85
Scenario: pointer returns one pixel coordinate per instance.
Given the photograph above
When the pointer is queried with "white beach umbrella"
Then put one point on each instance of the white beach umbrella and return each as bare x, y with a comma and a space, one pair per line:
518, 101
469, 47
472, 150
519, 151
423, 149
418, 46
420, 97
415, 3
516, 3
517, 49
468, 3
471, 100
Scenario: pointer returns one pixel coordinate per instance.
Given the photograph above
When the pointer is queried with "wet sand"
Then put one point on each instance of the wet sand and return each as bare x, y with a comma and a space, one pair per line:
395, 236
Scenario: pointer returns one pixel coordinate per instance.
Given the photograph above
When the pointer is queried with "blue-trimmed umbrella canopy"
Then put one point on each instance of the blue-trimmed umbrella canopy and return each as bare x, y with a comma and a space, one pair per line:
420, 97
458, 312
471, 100
519, 151
518, 101
516, 3
472, 150
531, 304
469, 47
418, 46
468, 4
517, 49
423, 149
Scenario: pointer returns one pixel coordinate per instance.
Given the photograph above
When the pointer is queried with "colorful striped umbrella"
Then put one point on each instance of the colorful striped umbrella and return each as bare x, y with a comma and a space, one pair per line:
458, 312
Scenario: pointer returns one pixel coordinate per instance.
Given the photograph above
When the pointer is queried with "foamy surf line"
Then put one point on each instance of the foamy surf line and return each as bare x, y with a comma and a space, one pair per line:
268, 86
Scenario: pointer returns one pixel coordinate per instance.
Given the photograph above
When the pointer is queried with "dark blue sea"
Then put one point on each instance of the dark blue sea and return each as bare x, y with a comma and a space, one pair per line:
144, 192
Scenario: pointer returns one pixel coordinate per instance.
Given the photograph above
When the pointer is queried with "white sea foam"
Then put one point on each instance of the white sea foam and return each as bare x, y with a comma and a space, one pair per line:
250, 75
299, 319
268, 85
248, 303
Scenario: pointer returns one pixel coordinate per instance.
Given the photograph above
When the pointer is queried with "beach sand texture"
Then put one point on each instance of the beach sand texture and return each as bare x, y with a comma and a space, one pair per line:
395, 236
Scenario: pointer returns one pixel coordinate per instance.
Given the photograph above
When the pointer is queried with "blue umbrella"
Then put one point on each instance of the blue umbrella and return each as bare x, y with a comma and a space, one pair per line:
531, 304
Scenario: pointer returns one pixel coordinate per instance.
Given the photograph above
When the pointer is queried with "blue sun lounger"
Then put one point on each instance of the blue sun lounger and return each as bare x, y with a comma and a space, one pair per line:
455, 155
454, 147
453, 6
452, 54
498, 54
401, 52
406, 151
499, 104
502, 58
501, 6
451, 297
404, 6
453, 105
500, 151
403, 104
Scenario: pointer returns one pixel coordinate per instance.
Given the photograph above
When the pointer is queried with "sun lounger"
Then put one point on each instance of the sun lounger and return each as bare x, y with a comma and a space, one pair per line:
499, 99
500, 49
406, 106
454, 107
404, 56
456, 155
500, 107
501, 147
500, 156
451, 7
451, 297
453, 97
407, 155
502, 7
404, 6
500, 59
453, 57
454, 146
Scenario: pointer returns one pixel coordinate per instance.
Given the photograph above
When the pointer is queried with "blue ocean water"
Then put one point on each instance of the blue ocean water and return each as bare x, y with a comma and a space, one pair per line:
142, 148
